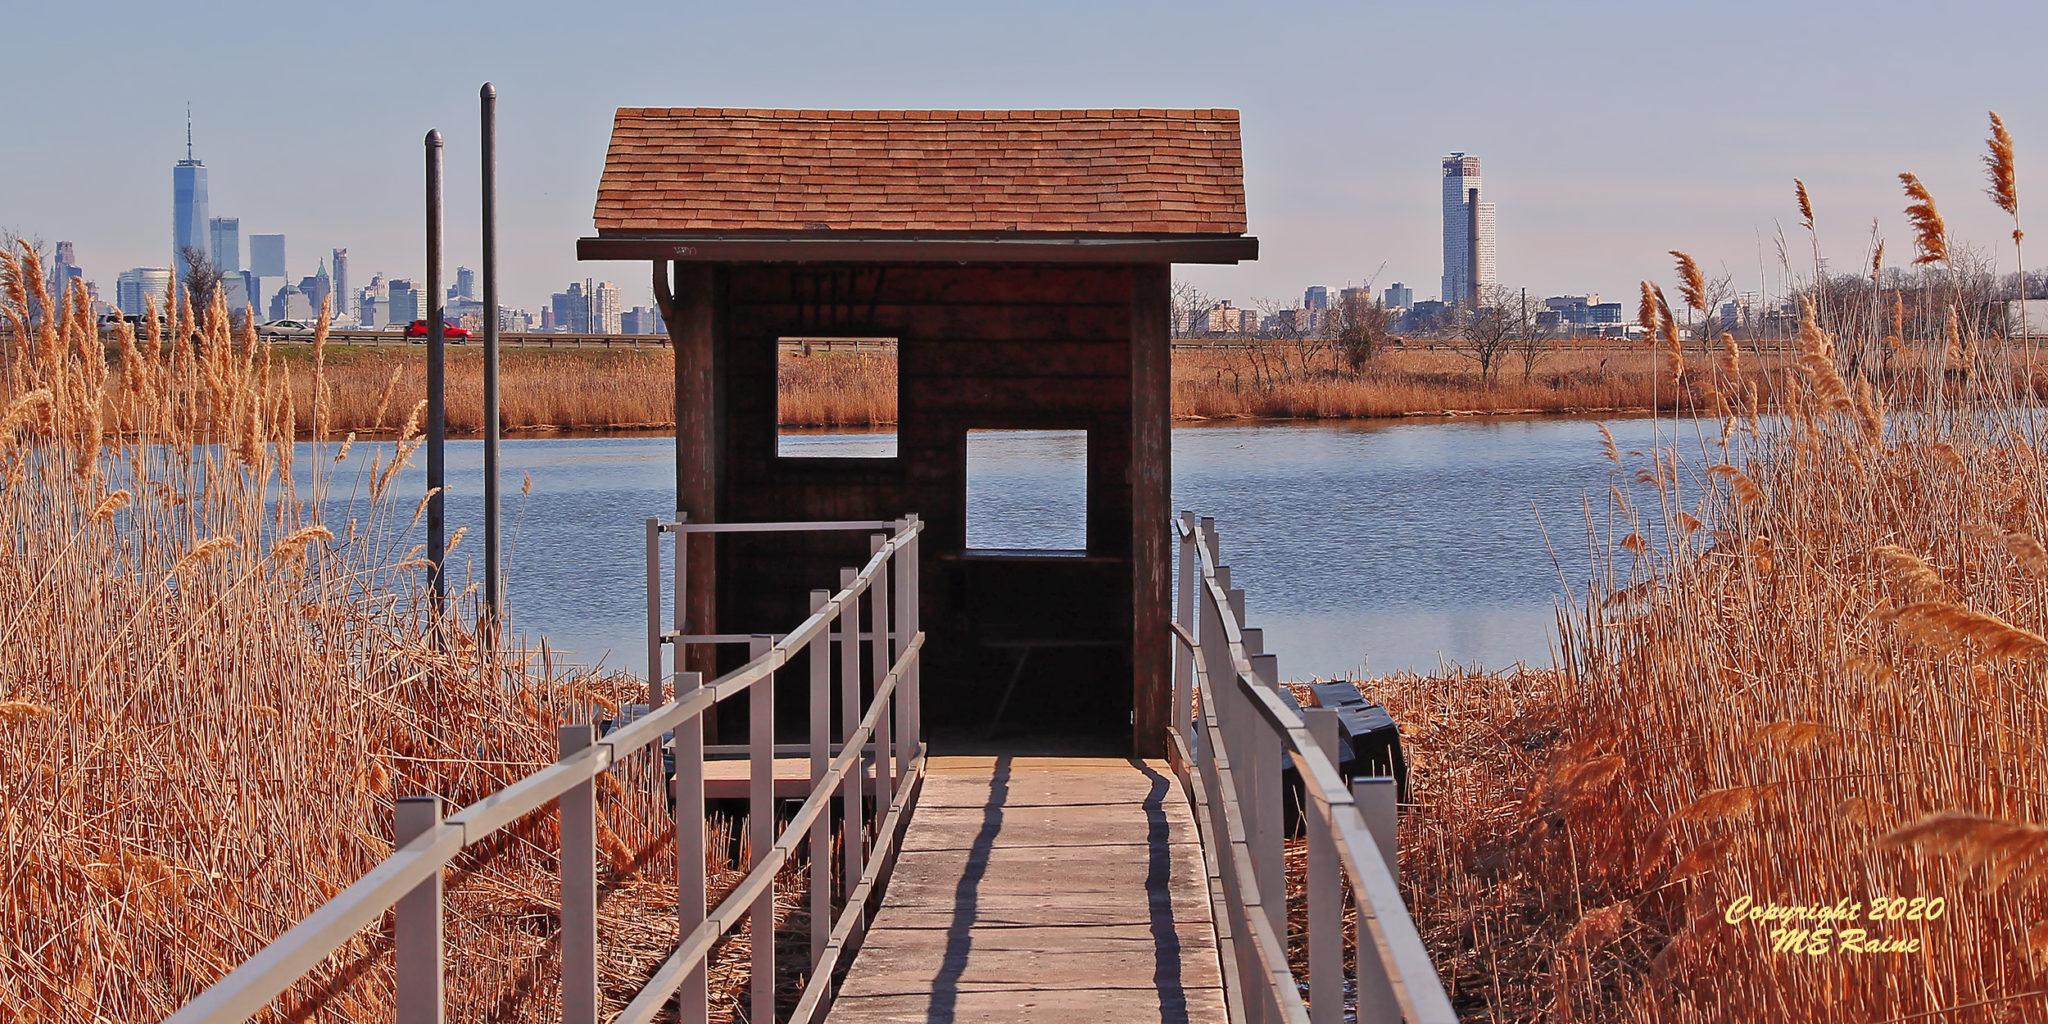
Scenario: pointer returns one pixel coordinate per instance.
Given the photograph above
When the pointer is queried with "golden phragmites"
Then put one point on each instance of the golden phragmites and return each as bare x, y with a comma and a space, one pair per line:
1930, 233
1805, 204
2004, 188
2013, 850
1692, 285
1947, 627
1877, 260
1647, 313
1817, 362
1909, 568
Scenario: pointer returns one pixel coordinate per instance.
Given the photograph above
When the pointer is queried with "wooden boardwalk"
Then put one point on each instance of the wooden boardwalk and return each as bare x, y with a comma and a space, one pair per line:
1042, 889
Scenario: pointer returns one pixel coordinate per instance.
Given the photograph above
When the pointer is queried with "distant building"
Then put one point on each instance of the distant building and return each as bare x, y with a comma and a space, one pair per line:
465, 284
641, 320
572, 309
403, 305
317, 290
1316, 297
1224, 318
342, 306
1426, 316
604, 309
189, 220
290, 304
64, 271
366, 309
513, 321
238, 289
547, 318
1463, 212
266, 255
225, 234
1397, 296
135, 288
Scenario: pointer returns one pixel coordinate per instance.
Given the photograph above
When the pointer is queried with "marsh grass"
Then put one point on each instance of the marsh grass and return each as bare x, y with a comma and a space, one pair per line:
1809, 668
210, 695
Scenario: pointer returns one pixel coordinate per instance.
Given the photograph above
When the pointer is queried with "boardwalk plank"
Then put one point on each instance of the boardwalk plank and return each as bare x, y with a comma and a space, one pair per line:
1038, 889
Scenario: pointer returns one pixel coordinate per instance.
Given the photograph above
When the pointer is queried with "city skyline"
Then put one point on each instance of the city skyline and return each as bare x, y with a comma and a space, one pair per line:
1333, 197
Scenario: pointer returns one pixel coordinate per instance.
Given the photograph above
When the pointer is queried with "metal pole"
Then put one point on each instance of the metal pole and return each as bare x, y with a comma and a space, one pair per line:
494, 586
437, 406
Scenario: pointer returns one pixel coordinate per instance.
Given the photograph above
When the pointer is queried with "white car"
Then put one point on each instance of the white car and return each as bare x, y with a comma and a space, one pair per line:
285, 329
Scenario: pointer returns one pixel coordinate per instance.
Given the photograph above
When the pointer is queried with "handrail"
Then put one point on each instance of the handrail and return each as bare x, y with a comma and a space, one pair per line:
410, 878
1235, 742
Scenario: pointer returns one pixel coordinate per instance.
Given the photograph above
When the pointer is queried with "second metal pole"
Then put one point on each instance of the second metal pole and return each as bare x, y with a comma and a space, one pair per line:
494, 587
437, 408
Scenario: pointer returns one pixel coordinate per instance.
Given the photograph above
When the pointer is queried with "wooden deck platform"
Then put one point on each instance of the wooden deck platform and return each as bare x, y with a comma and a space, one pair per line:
1042, 889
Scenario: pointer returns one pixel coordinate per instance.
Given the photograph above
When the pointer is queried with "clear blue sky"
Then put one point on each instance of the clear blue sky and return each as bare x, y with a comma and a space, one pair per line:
1610, 132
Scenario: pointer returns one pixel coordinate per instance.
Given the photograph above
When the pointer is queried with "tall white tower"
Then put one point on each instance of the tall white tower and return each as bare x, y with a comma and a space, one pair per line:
1461, 247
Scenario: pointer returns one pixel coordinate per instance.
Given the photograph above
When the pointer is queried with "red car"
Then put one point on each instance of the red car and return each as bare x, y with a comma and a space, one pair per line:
449, 332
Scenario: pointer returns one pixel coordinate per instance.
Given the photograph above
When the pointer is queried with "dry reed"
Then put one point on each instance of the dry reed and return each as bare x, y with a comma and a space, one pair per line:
1817, 679
211, 693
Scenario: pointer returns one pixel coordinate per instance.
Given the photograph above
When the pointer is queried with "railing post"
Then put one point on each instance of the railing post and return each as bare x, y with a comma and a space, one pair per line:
852, 834
908, 724
1376, 1005
693, 996
578, 863
820, 651
761, 831
1268, 845
1325, 894
416, 931
878, 612
654, 688
1184, 656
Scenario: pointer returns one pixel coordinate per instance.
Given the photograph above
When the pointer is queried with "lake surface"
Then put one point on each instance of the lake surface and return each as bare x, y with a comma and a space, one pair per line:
1375, 546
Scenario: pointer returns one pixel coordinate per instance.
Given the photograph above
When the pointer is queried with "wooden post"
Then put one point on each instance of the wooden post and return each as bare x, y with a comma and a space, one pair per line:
689, 747
1184, 657
1267, 750
416, 931
820, 650
852, 835
1325, 891
761, 830
908, 724
1151, 505
878, 614
695, 330
1375, 799
654, 688
578, 865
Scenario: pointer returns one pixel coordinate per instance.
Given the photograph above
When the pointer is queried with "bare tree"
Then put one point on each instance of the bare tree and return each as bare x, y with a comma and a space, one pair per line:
202, 277
1360, 326
1485, 332
1189, 302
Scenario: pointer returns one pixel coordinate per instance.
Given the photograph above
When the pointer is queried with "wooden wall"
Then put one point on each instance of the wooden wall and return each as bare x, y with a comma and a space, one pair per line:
983, 347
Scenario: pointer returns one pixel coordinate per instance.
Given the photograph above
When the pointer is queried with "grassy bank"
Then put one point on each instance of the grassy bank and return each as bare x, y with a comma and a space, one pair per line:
596, 390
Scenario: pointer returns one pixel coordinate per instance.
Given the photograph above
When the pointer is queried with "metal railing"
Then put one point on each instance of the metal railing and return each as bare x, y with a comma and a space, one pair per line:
889, 723
1229, 760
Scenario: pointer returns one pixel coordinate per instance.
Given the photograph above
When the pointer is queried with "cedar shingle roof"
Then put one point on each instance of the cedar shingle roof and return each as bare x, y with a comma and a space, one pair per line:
707, 170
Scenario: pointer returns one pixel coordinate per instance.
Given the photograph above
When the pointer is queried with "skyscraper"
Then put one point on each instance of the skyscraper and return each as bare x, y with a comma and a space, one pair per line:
63, 272
188, 205
1316, 297
135, 288
465, 284
404, 303
341, 293
1398, 296
604, 309
266, 255
227, 243
1468, 253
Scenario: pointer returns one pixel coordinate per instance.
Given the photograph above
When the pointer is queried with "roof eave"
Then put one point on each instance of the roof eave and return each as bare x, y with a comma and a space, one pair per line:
854, 248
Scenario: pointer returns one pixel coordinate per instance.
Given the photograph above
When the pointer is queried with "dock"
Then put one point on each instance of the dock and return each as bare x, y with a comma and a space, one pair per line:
1042, 889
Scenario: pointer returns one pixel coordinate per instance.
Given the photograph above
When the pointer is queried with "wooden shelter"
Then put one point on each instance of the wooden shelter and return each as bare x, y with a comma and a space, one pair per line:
1021, 262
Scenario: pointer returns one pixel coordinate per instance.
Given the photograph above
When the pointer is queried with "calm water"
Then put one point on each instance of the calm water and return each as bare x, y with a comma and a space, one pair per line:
1374, 546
